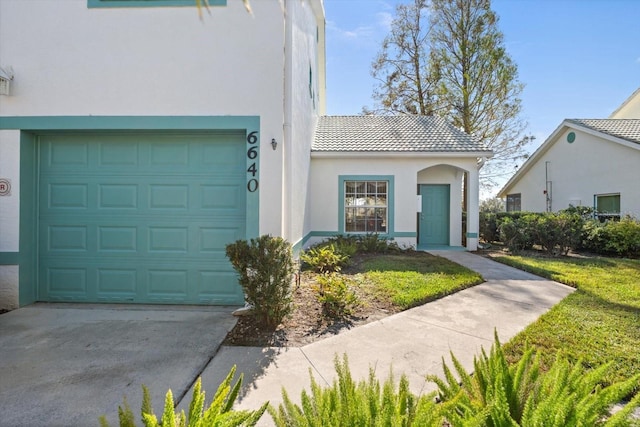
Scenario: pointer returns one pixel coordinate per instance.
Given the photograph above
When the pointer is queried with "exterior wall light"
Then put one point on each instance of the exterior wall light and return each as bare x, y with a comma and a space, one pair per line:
274, 143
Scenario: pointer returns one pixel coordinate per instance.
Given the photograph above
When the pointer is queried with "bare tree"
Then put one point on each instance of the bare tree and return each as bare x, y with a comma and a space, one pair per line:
405, 84
447, 57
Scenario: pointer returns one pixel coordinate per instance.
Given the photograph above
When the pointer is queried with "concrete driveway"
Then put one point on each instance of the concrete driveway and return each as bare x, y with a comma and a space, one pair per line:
67, 364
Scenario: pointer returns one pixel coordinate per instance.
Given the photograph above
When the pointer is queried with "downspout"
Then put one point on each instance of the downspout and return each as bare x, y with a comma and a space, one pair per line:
287, 144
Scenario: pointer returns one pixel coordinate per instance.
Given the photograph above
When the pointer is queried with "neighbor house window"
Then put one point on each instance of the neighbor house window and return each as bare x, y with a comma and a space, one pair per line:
366, 206
150, 3
607, 206
514, 202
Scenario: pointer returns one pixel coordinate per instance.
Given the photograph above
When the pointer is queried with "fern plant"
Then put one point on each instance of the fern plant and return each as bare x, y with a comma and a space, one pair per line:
521, 395
219, 413
349, 403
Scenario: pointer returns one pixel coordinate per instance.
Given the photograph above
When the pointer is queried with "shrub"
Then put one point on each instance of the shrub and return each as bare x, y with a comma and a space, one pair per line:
335, 294
265, 269
324, 258
557, 233
620, 238
516, 234
219, 413
489, 227
344, 245
365, 403
521, 395
374, 243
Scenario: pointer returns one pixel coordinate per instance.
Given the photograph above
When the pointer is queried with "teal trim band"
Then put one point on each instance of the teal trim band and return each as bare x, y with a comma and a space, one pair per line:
390, 199
91, 4
9, 258
472, 235
28, 275
405, 234
96, 123
337, 233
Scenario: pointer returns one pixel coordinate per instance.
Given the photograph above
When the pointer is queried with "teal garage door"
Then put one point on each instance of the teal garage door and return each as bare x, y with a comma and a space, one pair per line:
140, 218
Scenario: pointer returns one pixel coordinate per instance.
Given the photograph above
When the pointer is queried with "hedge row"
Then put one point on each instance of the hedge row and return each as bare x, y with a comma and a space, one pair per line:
558, 232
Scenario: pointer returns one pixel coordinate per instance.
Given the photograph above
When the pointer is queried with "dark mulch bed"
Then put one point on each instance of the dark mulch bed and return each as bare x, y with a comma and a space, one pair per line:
307, 323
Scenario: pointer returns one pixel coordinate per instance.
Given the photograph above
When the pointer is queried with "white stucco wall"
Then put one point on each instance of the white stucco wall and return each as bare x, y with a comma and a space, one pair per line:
10, 204
9, 214
305, 107
70, 60
590, 165
408, 172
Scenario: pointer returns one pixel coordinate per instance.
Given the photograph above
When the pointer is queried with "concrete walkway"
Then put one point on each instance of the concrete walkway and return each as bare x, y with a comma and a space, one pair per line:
413, 342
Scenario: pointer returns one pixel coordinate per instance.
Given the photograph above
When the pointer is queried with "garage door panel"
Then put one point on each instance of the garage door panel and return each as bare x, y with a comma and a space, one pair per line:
68, 153
67, 196
140, 218
118, 196
221, 197
117, 281
168, 239
218, 286
224, 156
118, 154
215, 239
71, 281
169, 196
63, 238
117, 239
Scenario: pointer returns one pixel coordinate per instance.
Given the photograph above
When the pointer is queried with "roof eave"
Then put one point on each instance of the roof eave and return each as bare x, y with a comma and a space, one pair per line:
566, 123
400, 154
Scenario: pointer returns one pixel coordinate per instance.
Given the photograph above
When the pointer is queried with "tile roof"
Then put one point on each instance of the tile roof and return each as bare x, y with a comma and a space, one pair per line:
628, 129
391, 134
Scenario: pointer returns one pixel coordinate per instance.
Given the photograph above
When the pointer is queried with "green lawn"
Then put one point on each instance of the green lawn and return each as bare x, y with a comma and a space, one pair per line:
410, 279
598, 323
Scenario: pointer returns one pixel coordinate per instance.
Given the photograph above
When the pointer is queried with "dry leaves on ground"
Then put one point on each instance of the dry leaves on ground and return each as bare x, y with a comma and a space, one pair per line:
307, 323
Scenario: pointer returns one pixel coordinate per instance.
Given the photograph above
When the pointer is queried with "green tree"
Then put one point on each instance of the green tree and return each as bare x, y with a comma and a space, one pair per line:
454, 64
478, 81
492, 205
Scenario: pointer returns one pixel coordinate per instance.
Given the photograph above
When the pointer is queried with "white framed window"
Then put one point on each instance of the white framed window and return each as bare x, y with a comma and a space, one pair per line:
514, 202
365, 204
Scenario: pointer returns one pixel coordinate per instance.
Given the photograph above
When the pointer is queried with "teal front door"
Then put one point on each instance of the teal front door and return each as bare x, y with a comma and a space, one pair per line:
434, 218
140, 218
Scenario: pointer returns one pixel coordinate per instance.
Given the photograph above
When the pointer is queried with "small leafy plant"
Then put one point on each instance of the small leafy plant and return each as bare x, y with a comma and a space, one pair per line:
219, 413
265, 269
336, 295
374, 243
324, 259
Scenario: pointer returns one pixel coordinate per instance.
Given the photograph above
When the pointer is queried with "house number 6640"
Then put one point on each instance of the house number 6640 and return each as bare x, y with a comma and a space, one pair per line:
252, 154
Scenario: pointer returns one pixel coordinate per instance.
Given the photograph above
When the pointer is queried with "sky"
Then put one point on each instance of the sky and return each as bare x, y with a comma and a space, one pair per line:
576, 58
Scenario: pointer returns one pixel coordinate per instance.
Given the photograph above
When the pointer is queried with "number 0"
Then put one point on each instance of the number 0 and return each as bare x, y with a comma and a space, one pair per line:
252, 185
